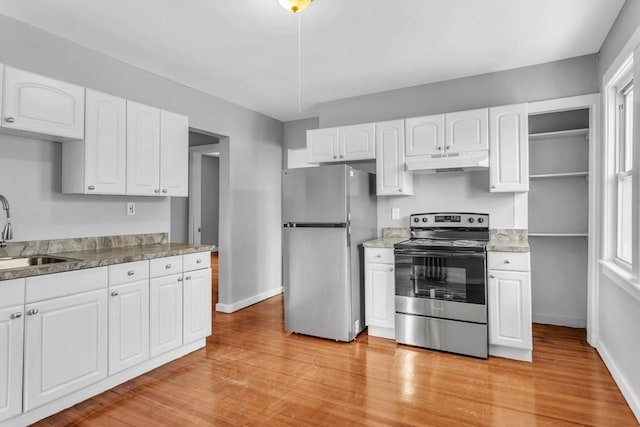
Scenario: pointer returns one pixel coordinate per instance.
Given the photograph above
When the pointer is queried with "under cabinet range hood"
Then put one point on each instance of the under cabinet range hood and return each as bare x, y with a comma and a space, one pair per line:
476, 160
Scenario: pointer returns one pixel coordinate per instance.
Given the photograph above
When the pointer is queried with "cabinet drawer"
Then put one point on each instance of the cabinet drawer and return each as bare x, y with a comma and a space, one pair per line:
11, 292
512, 261
379, 255
197, 261
128, 272
164, 266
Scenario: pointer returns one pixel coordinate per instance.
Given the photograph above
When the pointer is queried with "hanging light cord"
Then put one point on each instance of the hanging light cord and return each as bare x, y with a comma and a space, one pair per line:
299, 66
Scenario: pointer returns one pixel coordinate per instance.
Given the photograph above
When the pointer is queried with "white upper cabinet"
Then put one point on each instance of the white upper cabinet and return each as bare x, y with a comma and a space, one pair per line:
322, 145
357, 142
97, 165
341, 144
391, 177
424, 135
509, 154
174, 154
467, 131
143, 150
38, 104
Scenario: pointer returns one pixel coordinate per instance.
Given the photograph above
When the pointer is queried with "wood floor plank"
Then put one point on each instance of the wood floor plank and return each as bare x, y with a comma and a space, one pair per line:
253, 373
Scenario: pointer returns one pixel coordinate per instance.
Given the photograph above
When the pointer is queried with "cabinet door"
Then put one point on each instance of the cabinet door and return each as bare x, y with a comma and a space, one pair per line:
34, 103
128, 325
165, 294
467, 131
380, 295
197, 305
105, 144
11, 345
357, 142
143, 150
65, 346
391, 177
509, 305
424, 135
322, 145
509, 148
174, 154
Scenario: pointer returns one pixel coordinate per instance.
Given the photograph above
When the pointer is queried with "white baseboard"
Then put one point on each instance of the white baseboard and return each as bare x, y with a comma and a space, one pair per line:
230, 308
510, 353
376, 331
551, 319
627, 391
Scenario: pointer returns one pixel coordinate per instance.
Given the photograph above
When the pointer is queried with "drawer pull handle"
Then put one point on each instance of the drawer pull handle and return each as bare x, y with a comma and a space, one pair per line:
32, 311
131, 272
493, 276
188, 277
91, 187
378, 255
10, 120
179, 279
506, 261
16, 315
198, 261
390, 268
168, 266
115, 293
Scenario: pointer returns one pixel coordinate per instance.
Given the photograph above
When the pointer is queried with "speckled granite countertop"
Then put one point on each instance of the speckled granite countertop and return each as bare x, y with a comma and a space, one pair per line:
508, 240
390, 236
94, 252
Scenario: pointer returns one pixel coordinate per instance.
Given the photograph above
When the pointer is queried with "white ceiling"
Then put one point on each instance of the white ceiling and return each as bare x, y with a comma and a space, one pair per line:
245, 51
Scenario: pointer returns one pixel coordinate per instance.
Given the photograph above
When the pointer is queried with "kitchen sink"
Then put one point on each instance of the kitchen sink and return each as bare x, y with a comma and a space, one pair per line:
30, 261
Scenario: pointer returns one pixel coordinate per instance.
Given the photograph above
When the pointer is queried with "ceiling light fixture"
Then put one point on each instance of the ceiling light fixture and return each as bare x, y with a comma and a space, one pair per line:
295, 6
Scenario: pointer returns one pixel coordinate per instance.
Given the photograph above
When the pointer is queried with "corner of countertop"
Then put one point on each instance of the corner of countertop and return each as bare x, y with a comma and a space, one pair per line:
508, 240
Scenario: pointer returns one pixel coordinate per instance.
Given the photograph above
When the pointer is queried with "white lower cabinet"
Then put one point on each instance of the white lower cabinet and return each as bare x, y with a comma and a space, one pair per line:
197, 305
65, 346
11, 351
128, 325
166, 313
509, 303
379, 285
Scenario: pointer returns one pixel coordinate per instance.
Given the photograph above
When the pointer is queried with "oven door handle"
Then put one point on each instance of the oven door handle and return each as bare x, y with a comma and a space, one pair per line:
442, 254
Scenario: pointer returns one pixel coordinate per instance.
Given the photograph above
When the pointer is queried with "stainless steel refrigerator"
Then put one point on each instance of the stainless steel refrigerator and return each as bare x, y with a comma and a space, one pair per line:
328, 212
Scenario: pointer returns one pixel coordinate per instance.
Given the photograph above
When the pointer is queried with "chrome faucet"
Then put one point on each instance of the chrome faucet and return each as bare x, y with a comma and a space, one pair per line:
7, 231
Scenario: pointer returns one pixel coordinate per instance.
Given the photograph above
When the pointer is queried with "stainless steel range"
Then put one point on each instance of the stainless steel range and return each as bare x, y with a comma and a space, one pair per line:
441, 292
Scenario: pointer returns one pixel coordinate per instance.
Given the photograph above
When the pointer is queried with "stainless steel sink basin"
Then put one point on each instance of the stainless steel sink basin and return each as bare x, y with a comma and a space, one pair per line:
30, 261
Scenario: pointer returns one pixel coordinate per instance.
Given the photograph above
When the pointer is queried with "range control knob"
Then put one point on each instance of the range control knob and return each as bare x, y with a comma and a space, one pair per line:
416, 219
425, 219
471, 220
480, 220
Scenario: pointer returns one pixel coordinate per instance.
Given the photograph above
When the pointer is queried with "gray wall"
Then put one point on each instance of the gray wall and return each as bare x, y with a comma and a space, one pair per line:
619, 312
210, 199
575, 76
295, 135
251, 160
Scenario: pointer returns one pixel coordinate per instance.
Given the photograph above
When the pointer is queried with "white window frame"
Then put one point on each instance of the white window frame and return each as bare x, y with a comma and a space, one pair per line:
622, 272
621, 171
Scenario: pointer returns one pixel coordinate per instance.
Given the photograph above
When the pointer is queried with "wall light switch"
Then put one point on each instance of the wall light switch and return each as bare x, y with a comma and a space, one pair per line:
131, 208
395, 213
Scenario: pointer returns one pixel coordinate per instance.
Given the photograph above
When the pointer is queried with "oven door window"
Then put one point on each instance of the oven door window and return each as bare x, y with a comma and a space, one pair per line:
440, 275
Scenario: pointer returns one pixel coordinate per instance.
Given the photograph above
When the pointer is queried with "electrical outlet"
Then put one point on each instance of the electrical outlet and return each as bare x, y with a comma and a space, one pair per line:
131, 208
395, 213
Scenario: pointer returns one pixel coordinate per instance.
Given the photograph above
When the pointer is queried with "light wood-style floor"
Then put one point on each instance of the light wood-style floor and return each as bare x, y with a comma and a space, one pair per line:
252, 372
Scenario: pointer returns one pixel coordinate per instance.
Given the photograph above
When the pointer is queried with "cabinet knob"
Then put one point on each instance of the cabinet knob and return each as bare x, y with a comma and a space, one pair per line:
506, 261
399, 190
448, 147
168, 266
390, 268
439, 148
188, 277
341, 156
164, 191
493, 186
32, 311
115, 293
198, 261
493, 276
378, 255
10, 120
131, 272
335, 157
91, 187
16, 315
179, 279
157, 190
